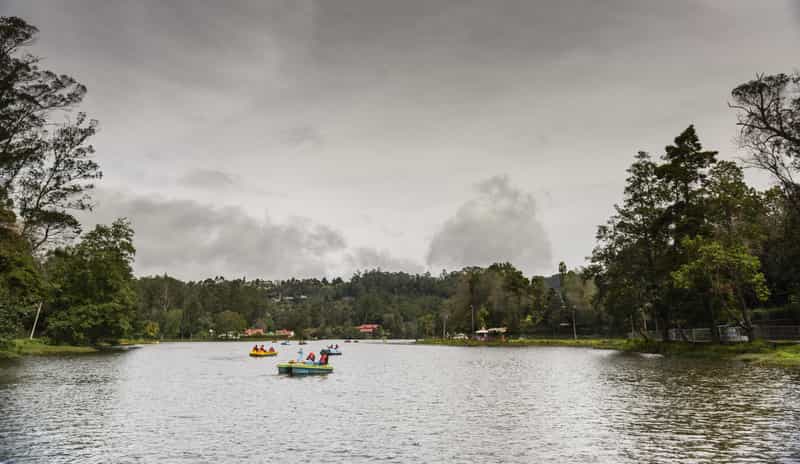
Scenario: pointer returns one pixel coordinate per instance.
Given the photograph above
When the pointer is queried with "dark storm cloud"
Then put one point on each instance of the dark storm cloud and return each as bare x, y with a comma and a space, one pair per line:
500, 224
207, 179
193, 240
401, 100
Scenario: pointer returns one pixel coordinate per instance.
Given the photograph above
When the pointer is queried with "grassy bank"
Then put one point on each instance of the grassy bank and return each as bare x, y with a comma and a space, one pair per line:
599, 343
759, 352
24, 347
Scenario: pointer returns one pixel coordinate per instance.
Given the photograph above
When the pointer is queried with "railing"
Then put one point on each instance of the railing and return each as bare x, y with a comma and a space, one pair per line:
778, 332
726, 334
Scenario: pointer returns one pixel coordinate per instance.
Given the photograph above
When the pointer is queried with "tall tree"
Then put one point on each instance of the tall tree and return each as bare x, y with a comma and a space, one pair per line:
28, 96
769, 127
630, 259
43, 176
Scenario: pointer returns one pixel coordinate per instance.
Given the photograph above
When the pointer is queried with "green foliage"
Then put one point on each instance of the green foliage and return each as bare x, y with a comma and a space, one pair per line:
685, 248
20, 281
151, 329
726, 277
230, 321
92, 295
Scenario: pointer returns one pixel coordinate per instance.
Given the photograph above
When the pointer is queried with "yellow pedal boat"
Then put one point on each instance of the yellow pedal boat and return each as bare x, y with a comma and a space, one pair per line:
263, 354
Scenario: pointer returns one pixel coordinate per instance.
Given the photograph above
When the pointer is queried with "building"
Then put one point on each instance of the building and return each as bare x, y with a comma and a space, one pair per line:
253, 331
284, 333
368, 328
495, 333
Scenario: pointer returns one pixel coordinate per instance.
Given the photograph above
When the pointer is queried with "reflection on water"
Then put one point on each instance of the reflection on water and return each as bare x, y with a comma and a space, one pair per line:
211, 402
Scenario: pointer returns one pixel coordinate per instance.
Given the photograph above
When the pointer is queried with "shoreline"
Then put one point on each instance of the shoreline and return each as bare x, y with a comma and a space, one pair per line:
24, 347
777, 354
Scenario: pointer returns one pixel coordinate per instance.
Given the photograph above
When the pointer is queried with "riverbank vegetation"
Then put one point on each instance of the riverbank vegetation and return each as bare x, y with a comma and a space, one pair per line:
39, 347
690, 245
784, 354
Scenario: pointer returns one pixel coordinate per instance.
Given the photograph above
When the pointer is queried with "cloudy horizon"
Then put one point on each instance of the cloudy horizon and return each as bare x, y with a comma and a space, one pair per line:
306, 138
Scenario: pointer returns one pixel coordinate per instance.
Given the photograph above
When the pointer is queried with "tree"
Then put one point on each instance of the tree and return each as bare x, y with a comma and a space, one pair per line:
92, 296
726, 276
20, 280
57, 183
630, 263
562, 282
769, 126
28, 96
734, 209
230, 321
42, 177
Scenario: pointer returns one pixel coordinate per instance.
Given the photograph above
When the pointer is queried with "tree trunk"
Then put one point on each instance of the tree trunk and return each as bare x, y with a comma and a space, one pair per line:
574, 329
665, 325
713, 320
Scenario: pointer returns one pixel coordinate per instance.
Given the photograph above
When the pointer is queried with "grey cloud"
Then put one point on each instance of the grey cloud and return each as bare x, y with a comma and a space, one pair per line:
405, 97
207, 179
363, 258
499, 224
302, 136
193, 240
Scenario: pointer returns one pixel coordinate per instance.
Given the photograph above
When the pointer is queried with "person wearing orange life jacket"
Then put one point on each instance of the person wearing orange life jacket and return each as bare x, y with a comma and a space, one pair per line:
271, 349
311, 357
323, 359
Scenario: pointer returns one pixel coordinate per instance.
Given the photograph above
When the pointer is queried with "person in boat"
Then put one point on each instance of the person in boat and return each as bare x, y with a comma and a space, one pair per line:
255, 348
300, 355
323, 359
311, 357
261, 349
271, 349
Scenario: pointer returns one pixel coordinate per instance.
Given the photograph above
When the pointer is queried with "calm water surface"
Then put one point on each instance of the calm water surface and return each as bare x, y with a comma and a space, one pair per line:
210, 402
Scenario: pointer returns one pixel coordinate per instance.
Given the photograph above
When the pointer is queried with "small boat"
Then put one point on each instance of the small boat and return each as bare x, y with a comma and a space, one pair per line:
262, 354
348, 341
285, 342
294, 368
331, 351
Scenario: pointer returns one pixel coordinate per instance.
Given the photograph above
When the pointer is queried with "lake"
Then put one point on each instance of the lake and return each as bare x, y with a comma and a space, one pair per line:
210, 402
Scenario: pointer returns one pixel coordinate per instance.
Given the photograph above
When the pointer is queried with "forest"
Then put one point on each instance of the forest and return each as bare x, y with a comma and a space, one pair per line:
691, 244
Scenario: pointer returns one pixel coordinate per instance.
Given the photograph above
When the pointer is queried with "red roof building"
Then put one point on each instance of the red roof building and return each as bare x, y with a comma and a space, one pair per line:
284, 333
253, 331
368, 328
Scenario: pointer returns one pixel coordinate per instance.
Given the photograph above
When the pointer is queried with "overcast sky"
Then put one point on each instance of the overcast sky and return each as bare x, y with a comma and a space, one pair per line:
299, 138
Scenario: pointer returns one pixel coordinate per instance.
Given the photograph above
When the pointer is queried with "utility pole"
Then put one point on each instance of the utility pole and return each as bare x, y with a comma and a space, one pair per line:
36, 320
472, 319
574, 330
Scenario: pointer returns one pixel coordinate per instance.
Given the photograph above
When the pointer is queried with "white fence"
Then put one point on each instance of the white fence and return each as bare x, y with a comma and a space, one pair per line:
726, 334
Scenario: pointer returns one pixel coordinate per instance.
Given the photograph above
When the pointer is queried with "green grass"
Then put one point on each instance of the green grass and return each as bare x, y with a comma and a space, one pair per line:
599, 343
136, 341
38, 347
758, 352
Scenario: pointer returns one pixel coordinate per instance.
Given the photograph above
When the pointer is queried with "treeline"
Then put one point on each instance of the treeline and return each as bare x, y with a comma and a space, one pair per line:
405, 305
692, 245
